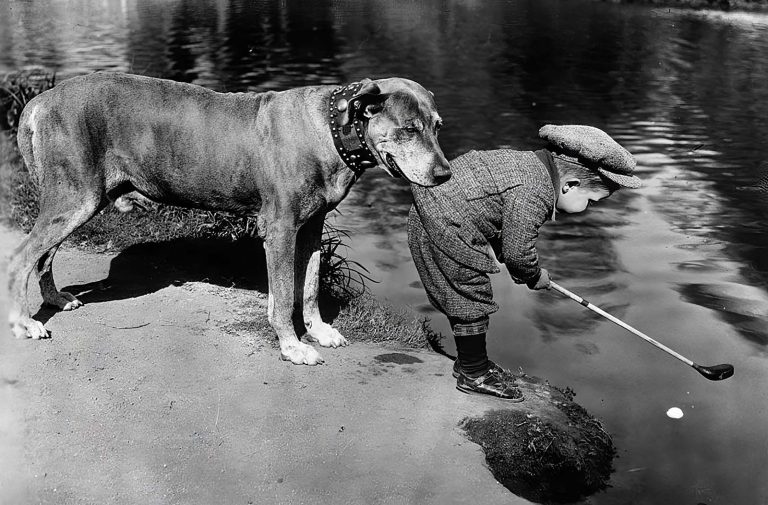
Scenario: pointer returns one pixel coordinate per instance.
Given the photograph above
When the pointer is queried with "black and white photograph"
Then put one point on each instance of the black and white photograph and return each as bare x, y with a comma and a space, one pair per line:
285, 252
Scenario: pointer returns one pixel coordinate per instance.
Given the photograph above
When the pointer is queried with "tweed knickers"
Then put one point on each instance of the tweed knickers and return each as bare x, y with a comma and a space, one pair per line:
462, 293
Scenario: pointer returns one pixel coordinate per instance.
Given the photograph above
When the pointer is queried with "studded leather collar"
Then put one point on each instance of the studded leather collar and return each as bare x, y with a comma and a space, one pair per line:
349, 137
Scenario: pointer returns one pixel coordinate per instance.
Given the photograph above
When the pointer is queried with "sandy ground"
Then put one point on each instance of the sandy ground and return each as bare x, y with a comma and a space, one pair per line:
162, 391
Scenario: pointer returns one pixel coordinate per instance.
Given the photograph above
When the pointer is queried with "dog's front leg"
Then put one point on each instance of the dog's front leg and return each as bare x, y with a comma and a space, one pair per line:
280, 247
308, 276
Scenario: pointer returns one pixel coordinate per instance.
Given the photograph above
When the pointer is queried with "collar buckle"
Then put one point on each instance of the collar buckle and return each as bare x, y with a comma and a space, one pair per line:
348, 129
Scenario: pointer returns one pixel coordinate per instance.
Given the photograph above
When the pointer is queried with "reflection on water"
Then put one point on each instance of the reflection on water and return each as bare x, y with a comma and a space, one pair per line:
742, 306
685, 258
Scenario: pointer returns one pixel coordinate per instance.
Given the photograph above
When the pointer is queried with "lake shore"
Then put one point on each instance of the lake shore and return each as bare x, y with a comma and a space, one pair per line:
722, 5
166, 398
172, 392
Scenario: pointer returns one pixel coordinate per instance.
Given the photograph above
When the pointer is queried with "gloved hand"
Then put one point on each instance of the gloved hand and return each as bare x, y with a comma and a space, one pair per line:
542, 282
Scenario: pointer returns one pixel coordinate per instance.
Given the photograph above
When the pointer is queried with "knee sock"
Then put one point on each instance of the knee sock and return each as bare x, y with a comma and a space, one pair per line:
472, 355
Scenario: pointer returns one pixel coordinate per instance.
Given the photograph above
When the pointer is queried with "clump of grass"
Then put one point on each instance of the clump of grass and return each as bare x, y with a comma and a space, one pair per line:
372, 321
544, 460
18, 193
112, 230
19, 87
340, 277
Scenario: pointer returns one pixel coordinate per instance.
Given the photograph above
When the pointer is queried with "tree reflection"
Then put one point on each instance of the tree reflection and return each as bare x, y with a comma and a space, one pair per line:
579, 253
236, 45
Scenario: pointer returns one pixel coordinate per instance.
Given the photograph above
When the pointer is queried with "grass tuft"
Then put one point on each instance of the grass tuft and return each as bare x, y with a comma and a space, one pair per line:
372, 321
542, 460
19, 87
18, 193
340, 277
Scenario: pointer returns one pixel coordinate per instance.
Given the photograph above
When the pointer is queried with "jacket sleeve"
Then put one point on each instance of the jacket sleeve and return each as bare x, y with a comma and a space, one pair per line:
525, 210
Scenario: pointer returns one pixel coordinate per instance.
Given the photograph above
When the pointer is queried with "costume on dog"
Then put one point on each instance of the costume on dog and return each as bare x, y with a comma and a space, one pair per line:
495, 202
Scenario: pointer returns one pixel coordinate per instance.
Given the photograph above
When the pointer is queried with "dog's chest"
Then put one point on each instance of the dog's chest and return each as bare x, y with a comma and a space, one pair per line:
339, 188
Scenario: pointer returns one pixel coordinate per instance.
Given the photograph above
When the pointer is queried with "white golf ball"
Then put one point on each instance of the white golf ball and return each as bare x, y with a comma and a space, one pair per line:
675, 413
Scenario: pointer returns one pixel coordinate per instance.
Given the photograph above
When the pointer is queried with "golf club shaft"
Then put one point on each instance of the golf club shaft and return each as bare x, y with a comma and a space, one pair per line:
621, 323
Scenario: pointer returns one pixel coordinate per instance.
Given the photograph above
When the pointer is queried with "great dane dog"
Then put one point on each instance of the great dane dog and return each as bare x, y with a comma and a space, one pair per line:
288, 156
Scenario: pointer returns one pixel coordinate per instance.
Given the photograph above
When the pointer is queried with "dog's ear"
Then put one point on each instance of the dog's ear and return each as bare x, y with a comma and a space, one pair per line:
368, 97
372, 109
369, 87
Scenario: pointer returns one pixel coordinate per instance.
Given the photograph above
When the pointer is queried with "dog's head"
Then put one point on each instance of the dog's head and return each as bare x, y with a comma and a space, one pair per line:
402, 129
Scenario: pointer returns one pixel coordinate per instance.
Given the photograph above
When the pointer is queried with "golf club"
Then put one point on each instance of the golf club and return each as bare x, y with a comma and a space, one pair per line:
713, 373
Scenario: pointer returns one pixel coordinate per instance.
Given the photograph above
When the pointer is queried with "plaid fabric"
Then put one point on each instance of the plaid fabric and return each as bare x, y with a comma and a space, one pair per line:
470, 329
496, 201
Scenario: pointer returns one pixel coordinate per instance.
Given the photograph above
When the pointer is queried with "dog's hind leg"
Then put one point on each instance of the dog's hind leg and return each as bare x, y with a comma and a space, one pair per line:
61, 213
308, 278
51, 295
280, 246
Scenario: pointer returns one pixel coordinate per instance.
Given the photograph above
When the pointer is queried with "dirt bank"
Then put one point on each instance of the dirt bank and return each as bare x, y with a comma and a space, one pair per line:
156, 396
166, 388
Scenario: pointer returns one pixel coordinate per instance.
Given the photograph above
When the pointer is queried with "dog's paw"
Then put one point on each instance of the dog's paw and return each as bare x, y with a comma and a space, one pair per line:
301, 354
325, 335
64, 301
26, 327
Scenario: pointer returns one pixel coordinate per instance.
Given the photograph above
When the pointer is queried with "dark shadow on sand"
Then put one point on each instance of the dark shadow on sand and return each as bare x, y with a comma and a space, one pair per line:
148, 267
145, 268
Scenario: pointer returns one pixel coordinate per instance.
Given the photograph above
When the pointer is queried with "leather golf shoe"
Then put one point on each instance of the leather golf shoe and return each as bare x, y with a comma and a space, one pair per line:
495, 382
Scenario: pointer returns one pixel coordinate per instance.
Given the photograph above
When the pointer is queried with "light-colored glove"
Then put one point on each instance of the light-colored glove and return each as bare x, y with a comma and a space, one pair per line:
543, 282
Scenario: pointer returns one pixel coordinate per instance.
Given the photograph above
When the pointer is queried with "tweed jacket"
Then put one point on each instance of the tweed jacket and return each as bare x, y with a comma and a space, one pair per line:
495, 200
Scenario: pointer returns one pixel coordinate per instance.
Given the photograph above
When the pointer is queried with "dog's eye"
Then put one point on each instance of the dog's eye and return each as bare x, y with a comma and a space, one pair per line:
411, 129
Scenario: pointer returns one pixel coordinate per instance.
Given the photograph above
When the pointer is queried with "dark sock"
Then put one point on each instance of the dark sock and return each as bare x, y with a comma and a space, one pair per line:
472, 354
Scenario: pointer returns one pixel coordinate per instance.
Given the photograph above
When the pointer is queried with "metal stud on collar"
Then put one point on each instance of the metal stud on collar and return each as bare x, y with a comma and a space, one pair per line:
349, 140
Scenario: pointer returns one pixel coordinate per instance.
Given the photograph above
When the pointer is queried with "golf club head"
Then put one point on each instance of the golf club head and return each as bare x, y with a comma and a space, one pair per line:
716, 372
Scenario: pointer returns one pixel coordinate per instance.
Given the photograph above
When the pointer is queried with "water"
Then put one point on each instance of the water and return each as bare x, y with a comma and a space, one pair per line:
684, 259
